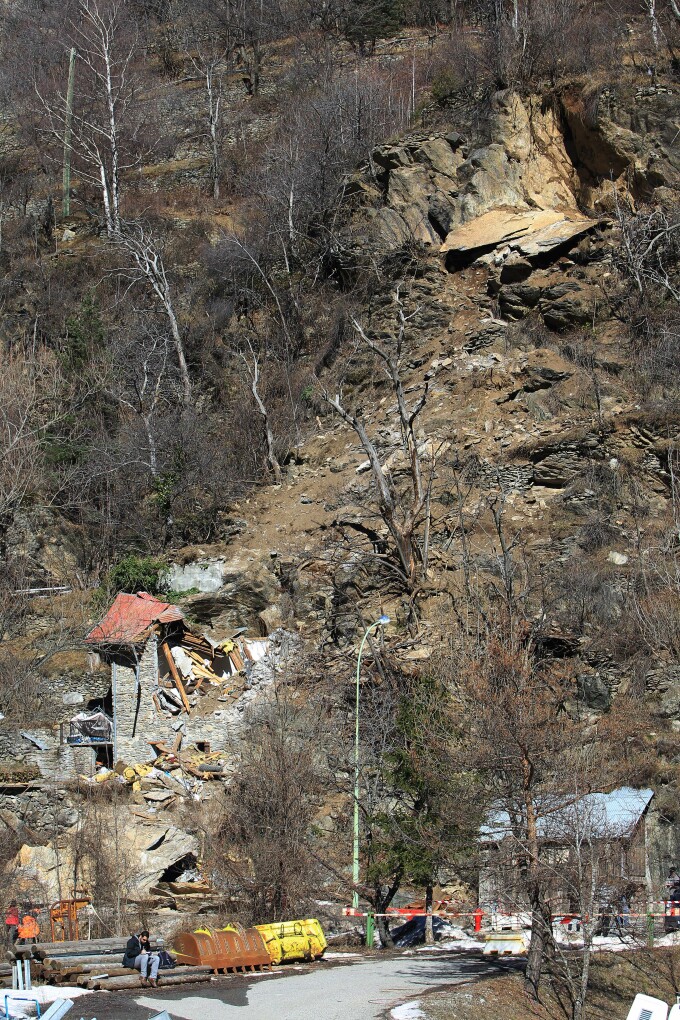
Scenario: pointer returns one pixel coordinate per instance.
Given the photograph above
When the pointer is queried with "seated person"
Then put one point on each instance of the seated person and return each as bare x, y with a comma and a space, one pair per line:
138, 955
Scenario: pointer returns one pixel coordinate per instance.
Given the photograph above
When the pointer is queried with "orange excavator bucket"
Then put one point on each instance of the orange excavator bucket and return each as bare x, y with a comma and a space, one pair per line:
223, 950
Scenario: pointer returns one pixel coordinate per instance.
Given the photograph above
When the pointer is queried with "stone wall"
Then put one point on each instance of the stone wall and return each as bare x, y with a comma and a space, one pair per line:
663, 849
54, 760
38, 813
69, 693
137, 719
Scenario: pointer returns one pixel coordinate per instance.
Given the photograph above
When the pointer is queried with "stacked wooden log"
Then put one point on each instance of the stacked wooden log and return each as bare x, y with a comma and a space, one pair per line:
97, 964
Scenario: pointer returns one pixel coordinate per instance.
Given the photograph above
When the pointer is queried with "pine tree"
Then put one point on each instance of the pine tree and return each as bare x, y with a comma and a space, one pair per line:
369, 20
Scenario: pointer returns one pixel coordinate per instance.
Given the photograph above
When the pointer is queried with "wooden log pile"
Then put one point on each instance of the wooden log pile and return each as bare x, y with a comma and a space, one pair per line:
97, 964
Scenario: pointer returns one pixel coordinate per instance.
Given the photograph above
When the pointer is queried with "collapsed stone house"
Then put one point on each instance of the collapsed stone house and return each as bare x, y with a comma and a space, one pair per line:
153, 685
126, 696
166, 681
621, 839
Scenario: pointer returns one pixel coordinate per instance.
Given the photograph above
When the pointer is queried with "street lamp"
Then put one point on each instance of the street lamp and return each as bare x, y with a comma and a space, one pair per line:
380, 622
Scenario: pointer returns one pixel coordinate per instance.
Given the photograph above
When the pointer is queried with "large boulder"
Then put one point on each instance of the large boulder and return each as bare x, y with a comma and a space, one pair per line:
569, 304
248, 587
141, 856
433, 185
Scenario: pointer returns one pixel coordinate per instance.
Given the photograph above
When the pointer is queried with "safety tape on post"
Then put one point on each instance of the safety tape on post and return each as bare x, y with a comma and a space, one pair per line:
352, 912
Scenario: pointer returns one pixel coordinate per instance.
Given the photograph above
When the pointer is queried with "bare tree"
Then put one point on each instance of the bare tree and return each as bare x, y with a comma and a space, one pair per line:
210, 51
144, 262
33, 408
406, 517
138, 377
252, 365
261, 846
103, 98
649, 251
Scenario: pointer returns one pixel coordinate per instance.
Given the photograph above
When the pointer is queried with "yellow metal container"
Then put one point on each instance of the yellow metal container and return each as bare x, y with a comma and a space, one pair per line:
293, 940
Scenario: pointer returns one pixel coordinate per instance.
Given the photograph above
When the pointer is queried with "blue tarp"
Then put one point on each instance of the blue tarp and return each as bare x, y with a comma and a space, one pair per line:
412, 933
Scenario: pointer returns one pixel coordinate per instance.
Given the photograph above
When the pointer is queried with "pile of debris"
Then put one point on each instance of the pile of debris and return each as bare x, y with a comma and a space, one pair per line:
172, 772
190, 664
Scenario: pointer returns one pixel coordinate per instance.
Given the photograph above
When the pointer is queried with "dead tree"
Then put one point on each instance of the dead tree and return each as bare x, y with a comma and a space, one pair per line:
253, 369
405, 516
137, 379
144, 262
33, 409
209, 58
649, 251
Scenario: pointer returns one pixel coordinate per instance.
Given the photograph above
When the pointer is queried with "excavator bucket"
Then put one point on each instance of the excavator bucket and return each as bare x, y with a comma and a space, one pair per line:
198, 949
245, 949
223, 950
293, 940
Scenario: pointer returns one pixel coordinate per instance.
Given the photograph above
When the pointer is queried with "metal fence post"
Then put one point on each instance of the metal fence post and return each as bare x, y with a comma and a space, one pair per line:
370, 928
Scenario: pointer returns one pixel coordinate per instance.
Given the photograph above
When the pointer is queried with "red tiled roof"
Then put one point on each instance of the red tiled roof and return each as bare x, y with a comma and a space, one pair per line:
130, 616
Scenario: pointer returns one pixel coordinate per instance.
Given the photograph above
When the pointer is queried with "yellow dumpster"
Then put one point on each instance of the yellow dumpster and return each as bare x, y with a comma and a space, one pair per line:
293, 940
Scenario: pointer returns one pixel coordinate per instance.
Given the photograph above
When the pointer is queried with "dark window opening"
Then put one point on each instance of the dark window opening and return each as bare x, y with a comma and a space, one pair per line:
203, 746
102, 704
103, 757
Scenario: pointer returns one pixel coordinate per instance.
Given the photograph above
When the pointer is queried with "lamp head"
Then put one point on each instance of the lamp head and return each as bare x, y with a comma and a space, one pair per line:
383, 619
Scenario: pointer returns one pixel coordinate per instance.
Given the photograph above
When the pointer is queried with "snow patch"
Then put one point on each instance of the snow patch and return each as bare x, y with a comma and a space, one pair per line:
464, 943
22, 1004
407, 1011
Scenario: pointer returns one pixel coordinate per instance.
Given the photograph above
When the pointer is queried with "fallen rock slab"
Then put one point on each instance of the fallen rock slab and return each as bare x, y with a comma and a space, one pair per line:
531, 235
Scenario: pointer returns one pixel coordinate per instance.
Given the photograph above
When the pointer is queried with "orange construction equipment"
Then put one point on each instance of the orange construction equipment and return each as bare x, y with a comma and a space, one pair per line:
223, 950
246, 949
197, 949
64, 918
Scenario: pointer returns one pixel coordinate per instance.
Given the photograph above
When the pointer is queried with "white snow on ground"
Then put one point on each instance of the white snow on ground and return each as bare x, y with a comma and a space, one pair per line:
340, 956
464, 942
672, 939
610, 943
407, 1011
20, 1003
613, 944
455, 940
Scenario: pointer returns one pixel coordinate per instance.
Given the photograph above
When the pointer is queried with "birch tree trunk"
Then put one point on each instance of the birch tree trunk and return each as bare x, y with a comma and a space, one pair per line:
254, 373
147, 264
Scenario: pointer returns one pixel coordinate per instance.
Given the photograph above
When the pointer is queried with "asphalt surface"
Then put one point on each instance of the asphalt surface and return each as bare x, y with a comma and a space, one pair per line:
361, 990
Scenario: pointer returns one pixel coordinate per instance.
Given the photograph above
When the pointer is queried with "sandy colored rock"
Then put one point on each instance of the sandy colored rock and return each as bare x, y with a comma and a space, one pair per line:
530, 233
248, 588
145, 852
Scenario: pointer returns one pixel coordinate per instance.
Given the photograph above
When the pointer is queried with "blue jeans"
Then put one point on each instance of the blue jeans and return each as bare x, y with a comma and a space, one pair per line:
142, 964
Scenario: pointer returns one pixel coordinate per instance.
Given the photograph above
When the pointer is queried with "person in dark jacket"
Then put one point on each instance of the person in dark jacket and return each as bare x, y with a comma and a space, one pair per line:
138, 955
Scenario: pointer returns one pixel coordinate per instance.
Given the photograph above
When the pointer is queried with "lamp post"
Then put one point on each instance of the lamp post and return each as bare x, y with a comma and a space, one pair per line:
380, 622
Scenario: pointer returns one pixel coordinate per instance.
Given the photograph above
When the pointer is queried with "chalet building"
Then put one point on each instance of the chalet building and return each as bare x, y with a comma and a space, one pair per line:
618, 836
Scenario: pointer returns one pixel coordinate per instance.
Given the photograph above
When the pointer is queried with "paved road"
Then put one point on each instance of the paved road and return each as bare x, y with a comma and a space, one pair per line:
362, 990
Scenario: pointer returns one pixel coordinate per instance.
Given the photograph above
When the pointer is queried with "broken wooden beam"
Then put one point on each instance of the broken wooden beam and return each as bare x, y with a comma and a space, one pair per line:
174, 672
